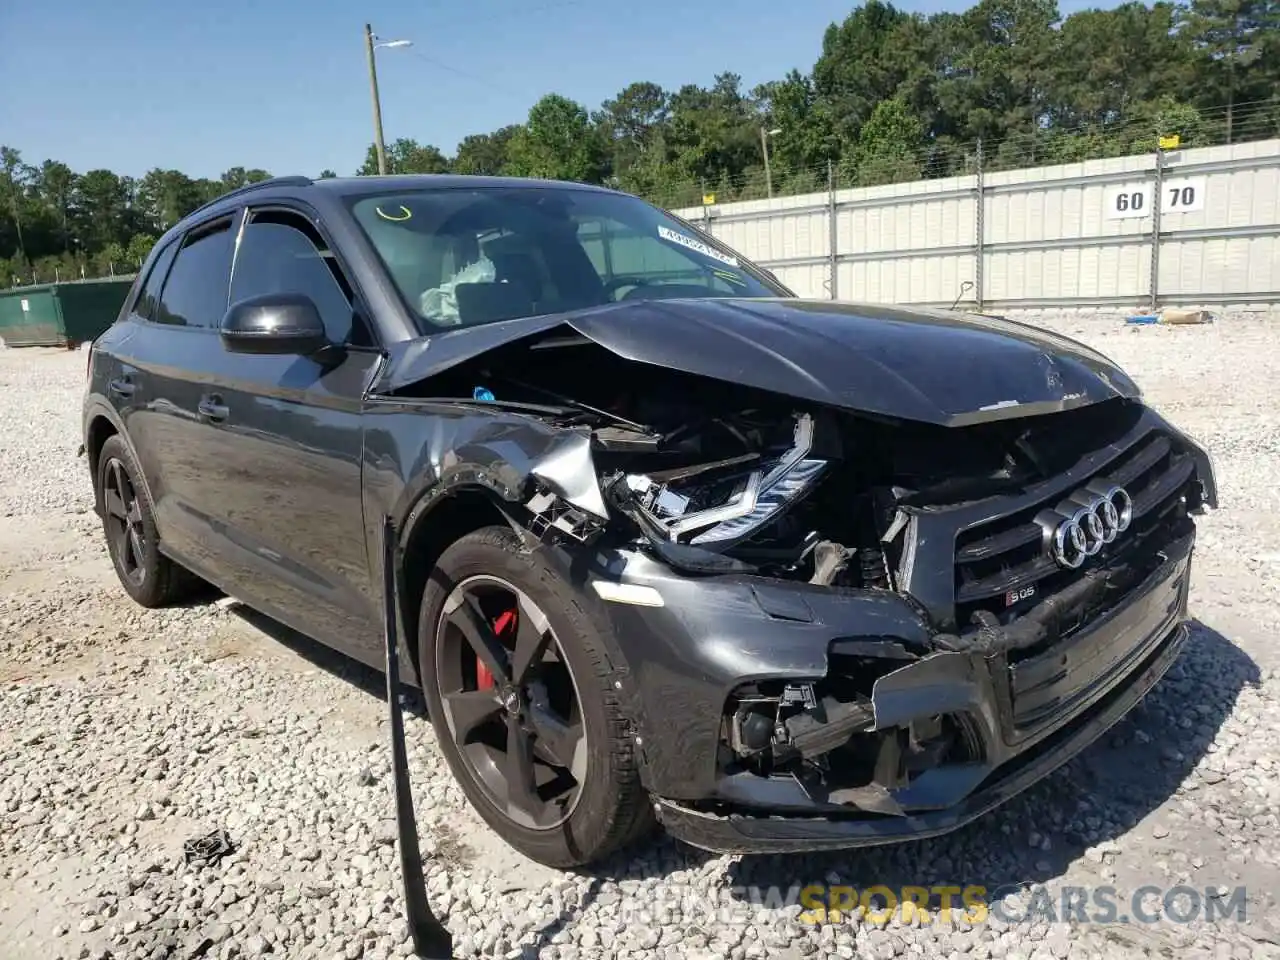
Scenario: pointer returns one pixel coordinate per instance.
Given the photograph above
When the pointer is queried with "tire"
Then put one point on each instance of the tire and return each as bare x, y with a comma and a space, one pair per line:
611, 809
147, 575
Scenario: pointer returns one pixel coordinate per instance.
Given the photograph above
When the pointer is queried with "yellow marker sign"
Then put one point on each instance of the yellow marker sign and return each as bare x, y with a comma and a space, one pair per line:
405, 214
1170, 143
708, 199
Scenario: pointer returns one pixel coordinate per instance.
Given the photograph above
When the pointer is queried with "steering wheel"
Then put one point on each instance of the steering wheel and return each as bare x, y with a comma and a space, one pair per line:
617, 283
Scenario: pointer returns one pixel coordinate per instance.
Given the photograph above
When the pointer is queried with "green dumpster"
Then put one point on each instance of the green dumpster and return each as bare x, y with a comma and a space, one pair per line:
60, 314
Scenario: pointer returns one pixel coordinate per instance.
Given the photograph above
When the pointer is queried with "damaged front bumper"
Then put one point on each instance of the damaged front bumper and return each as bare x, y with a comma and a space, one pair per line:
1015, 715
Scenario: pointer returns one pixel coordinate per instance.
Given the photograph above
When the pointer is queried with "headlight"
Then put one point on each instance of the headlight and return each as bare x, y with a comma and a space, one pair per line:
743, 501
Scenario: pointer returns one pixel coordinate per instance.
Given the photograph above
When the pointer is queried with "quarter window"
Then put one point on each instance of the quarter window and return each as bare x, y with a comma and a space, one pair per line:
195, 295
281, 252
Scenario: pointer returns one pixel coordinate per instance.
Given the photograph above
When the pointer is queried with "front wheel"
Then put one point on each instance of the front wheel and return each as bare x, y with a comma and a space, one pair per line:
517, 685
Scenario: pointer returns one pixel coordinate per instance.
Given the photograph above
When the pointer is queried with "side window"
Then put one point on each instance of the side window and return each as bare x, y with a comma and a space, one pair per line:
281, 252
195, 295
147, 305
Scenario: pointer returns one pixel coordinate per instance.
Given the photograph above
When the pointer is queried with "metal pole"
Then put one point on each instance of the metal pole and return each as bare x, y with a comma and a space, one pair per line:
431, 938
768, 175
1156, 203
979, 255
378, 144
833, 234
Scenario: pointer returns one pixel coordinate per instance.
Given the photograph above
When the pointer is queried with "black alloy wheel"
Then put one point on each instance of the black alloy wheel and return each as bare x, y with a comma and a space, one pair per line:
128, 522
511, 702
522, 692
126, 537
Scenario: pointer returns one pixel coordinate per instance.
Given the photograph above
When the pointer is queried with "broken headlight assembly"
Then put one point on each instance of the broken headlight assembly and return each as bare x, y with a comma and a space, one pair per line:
718, 504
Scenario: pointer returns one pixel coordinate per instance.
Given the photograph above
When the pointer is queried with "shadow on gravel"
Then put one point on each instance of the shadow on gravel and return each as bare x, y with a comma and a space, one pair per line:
364, 678
1098, 796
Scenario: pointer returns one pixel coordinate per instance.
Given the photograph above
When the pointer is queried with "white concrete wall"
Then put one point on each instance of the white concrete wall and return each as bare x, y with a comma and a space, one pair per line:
1052, 236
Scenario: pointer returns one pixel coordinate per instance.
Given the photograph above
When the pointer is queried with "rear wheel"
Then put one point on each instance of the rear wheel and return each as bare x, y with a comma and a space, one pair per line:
148, 576
516, 682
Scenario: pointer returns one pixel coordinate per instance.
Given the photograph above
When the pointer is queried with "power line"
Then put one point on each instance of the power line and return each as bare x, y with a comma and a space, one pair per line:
467, 74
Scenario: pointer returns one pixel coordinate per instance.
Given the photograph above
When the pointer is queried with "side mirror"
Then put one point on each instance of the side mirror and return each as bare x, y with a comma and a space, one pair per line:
274, 323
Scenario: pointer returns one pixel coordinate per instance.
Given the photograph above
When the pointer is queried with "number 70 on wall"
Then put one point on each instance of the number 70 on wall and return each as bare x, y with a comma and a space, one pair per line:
1181, 195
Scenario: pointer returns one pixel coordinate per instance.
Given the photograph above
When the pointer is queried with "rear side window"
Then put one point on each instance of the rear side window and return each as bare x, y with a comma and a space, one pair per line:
281, 252
195, 295
147, 305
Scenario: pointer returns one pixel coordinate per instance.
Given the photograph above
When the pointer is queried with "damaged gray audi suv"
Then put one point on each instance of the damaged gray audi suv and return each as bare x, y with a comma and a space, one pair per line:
670, 544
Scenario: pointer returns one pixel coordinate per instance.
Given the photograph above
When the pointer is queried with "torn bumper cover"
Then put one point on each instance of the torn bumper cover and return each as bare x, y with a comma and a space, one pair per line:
729, 670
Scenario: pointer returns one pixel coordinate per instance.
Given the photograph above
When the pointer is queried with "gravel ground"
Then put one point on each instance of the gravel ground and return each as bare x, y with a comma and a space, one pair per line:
125, 732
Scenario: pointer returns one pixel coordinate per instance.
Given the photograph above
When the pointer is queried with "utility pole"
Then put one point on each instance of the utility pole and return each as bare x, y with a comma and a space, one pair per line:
768, 176
378, 144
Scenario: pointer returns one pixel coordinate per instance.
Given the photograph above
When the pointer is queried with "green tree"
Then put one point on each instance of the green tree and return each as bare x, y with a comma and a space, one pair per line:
405, 156
484, 154
14, 176
1231, 36
238, 177
139, 247
860, 65
557, 142
166, 196
889, 146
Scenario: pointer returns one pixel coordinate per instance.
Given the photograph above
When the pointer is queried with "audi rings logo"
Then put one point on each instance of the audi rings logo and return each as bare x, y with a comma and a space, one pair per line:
1080, 526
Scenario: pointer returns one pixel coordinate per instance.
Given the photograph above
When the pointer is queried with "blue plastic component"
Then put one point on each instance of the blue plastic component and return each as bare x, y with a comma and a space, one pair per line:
483, 393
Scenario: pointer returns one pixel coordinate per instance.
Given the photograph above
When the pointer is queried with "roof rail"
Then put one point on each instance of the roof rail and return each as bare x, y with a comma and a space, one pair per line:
287, 181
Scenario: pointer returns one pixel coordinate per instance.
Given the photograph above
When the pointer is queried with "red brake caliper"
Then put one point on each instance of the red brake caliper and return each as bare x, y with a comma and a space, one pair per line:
502, 626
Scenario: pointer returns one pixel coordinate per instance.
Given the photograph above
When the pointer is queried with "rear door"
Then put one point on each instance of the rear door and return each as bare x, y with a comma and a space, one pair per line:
278, 474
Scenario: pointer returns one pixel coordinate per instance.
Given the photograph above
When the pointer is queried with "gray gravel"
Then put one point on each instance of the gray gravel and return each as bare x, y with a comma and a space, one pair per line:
124, 732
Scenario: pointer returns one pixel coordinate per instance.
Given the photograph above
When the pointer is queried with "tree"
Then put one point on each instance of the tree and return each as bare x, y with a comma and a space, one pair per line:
238, 177
888, 148
405, 156
14, 175
139, 247
1230, 36
54, 183
484, 154
166, 196
806, 137
860, 65
557, 142
1110, 60
327, 174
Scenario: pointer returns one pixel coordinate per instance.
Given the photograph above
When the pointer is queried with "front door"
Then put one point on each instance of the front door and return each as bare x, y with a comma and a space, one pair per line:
280, 475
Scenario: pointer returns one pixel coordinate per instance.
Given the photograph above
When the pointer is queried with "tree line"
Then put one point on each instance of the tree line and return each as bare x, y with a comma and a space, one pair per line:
892, 97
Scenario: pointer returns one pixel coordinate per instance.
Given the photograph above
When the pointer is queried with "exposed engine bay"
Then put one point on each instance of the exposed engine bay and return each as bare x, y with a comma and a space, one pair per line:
718, 477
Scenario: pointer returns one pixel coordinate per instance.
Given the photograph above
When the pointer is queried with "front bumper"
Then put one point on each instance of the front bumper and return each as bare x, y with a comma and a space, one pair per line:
715, 634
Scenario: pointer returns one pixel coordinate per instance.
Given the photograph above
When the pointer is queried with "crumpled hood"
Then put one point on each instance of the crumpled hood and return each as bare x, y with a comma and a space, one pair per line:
926, 365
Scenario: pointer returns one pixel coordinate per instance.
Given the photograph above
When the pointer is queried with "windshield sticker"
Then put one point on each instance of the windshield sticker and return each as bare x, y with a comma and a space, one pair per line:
405, 214
697, 246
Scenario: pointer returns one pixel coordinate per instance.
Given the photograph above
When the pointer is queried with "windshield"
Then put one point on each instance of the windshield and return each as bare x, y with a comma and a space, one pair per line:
467, 256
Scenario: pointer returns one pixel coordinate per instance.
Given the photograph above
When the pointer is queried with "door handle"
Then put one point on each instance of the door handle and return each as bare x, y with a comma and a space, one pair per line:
212, 408
122, 387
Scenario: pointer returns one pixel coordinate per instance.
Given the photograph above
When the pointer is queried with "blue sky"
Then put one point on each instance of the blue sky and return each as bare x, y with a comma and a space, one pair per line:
133, 84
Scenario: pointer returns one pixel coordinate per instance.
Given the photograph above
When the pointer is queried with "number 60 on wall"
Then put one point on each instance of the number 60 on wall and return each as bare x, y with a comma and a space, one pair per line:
1183, 195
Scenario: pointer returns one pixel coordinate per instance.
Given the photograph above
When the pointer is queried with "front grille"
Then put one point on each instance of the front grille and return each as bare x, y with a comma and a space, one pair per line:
997, 559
